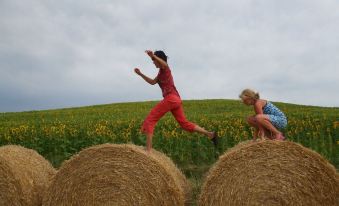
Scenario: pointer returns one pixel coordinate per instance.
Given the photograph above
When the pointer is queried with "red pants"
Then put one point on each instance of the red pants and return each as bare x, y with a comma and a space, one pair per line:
169, 103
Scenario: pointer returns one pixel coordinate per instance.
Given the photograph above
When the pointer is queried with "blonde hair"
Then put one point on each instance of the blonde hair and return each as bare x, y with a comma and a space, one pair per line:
249, 93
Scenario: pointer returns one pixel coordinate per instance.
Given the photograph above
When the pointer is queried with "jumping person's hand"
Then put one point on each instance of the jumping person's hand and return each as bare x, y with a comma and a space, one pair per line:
149, 53
136, 70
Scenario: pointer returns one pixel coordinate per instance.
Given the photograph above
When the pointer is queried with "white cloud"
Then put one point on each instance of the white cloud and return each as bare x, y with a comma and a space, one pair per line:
64, 53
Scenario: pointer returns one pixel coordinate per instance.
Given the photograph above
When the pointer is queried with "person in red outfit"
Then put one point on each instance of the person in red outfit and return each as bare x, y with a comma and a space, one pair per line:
171, 102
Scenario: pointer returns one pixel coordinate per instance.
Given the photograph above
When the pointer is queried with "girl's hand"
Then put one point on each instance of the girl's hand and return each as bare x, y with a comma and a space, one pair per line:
136, 70
149, 53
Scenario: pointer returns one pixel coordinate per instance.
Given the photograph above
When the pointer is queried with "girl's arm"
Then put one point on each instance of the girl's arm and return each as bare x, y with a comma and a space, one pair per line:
163, 64
258, 110
146, 78
258, 107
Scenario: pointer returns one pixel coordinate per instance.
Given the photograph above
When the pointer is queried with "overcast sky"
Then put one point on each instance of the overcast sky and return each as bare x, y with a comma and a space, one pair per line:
56, 54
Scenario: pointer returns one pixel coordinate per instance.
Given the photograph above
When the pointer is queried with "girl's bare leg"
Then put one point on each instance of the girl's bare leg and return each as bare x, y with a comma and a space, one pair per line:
201, 130
252, 121
260, 131
268, 134
265, 124
149, 143
211, 135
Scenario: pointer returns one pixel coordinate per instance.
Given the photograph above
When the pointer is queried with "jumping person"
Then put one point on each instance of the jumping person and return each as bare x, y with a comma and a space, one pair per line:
171, 102
268, 119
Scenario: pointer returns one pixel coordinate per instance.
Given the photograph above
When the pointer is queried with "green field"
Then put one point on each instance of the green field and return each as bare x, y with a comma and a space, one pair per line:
58, 134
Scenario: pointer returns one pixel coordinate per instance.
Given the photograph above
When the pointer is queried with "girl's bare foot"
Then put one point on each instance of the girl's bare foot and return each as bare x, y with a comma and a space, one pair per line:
279, 136
262, 138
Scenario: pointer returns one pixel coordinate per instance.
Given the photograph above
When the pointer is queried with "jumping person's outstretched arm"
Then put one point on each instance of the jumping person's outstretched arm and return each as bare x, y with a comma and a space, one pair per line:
162, 63
146, 78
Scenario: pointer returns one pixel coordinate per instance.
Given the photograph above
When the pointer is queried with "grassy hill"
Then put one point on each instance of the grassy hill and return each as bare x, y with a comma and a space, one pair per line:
58, 134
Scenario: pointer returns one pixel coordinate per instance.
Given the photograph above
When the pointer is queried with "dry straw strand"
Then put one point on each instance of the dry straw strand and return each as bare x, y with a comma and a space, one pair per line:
271, 173
124, 174
24, 176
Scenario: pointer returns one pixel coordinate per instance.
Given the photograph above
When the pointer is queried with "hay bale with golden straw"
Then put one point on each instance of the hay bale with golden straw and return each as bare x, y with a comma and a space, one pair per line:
270, 173
24, 176
111, 174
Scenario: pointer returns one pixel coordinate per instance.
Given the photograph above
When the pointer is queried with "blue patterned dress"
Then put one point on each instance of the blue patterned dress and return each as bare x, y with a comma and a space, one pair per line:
277, 117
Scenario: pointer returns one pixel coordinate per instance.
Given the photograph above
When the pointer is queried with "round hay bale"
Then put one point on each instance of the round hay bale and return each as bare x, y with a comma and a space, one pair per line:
118, 175
24, 176
270, 173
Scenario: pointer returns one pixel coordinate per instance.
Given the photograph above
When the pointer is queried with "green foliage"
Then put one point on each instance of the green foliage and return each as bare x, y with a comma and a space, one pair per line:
58, 134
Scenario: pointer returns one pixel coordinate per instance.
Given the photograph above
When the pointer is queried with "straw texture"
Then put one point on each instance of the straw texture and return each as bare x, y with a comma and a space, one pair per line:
24, 176
118, 175
270, 173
